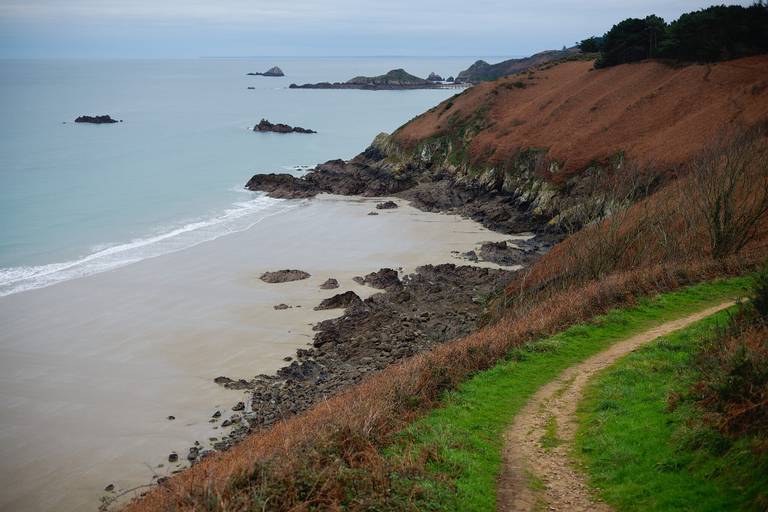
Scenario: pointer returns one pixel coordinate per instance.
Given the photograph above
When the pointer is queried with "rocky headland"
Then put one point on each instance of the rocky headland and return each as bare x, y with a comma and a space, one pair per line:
274, 71
266, 126
396, 79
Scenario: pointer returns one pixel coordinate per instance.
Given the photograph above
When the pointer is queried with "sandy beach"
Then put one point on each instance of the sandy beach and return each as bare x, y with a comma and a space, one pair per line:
90, 369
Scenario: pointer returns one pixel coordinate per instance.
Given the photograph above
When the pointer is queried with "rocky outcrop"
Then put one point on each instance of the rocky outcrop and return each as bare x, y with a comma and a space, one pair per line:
434, 77
521, 252
105, 119
283, 276
340, 301
333, 177
266, 126
397, 79
434, 305
382, 171
382, 279
275, 71
282, 186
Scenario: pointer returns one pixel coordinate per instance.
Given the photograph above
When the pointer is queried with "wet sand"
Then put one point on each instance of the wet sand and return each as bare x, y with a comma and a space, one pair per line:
91, 368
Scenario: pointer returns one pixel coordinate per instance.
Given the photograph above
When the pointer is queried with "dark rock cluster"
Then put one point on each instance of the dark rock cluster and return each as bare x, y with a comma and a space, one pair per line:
266, 126
436, 304
386, 205
105, 119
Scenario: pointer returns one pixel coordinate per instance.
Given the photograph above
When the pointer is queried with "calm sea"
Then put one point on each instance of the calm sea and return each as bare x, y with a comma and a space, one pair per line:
78, 199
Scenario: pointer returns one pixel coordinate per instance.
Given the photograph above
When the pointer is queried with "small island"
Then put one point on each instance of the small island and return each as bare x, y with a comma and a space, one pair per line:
105, 119
275, 71
266, 126
397, 79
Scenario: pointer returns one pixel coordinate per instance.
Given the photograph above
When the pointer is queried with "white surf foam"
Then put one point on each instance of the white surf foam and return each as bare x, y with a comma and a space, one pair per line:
243, 215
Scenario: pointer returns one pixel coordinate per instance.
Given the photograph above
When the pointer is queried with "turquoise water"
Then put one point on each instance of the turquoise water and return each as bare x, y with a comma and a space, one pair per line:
77, 199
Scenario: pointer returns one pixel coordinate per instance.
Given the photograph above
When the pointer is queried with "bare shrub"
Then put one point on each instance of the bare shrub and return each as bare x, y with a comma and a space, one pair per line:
730, 190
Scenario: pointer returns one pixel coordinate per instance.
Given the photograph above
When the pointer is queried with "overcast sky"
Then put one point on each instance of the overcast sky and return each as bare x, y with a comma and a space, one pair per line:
197, 28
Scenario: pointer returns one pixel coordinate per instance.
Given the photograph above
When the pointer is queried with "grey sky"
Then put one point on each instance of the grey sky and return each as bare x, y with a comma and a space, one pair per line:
192, 28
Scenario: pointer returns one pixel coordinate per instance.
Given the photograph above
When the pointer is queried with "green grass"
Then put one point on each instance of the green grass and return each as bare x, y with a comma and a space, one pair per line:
644, 456
550, 439
464, 437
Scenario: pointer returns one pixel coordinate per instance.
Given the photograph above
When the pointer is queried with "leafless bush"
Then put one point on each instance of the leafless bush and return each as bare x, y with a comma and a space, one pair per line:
730, 190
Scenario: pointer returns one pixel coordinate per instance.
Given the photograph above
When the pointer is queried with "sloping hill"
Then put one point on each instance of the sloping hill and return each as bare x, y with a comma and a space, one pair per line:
648, 111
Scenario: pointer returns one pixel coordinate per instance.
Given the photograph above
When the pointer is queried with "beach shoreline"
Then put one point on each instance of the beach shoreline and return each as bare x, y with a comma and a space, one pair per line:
123, 350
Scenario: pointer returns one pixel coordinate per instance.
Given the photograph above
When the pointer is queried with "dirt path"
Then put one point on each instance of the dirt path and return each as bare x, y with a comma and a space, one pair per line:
537, 472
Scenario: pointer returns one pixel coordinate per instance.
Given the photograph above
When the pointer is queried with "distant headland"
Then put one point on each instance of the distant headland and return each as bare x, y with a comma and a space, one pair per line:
396, 79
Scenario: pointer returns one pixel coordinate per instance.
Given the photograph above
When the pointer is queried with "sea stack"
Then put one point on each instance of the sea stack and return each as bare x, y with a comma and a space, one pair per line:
274, 71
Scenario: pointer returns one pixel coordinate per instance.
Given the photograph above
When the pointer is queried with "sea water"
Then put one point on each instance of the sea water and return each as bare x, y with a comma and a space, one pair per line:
78, 199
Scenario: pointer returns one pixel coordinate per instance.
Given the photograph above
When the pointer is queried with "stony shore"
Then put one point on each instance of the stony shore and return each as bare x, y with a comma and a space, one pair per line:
412, 313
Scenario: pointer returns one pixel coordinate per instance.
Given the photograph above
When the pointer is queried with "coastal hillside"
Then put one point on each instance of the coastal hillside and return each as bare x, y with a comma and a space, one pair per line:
528, 151
579, 117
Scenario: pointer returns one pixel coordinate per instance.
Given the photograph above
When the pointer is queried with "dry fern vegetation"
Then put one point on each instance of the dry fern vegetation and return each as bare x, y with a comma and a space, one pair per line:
709, 222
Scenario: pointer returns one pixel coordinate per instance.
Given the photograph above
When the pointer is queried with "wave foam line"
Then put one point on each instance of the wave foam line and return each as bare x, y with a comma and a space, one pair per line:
242, 217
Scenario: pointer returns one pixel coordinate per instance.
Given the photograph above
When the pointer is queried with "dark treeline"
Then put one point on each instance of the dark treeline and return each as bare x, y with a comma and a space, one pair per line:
713, 34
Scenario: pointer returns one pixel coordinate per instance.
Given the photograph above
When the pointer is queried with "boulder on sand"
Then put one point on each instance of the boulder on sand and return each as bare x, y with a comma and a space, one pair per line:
283, 276
329, 284
387, 205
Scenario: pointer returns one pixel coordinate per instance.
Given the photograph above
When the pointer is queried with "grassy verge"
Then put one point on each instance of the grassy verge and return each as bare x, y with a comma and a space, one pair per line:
645, 455
463, 439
